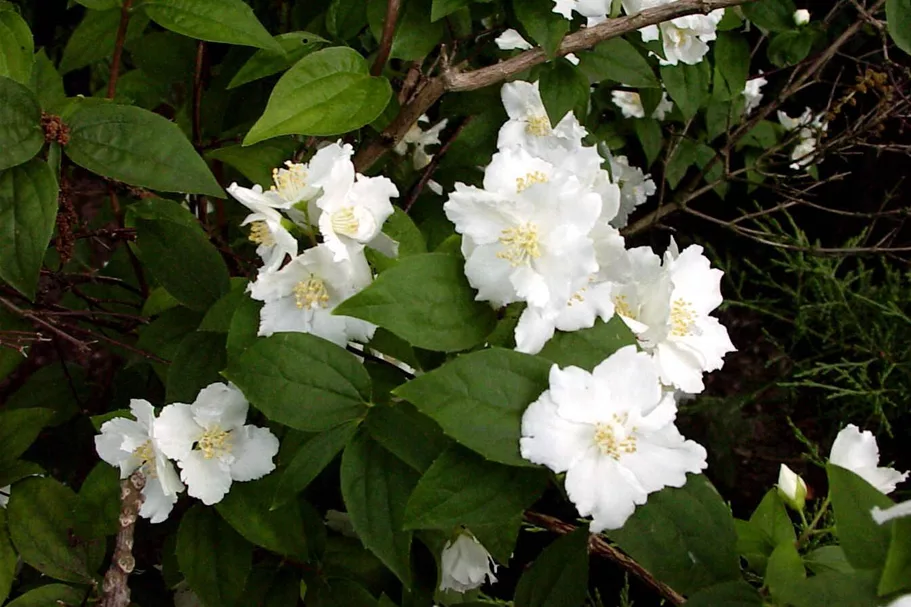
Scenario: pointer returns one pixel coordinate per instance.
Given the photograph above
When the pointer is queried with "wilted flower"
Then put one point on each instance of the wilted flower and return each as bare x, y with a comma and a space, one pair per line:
792, 488
465, 564
858, 452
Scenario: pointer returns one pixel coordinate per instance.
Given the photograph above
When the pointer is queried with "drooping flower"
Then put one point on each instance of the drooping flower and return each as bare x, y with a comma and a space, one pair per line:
792, 488
595, 11
212, 444
272, 238
752, 93
525, 234
667, 307
612, 432
858, 452
685, 39
133, 445
630, 104
419, 139
801, 17
301, 296
635, 188
465, 564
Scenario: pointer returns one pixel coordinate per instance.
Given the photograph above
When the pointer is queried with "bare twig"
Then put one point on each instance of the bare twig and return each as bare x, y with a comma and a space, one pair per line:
115, 590
382, 55
28, 315
118, 48
434, 163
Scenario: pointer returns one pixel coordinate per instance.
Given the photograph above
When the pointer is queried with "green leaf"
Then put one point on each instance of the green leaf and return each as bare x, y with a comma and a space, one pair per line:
50, 594
828, 559
768, 527
228, 21
18, 430
619, 61
427, 301
649, 133
559, 576
897, 570
478, 399
685, 537
326, 93
198, 362
732, 65
17, 48
462, 488
8, 558
545, 27
773, 15
588, 348
866, 543
728, 594
28, 210
564, 89
98, 512
218, 317
313, 456
21, 136
100, 5
415, 34
248, 508
302, 381
256, 162
784, 570
790, 48
41, 523
214, 559
263, 63
138, 147
346, 18
898, 19
46, 82
375, 487
856, 589
162, 337
268, 586
95, 37
442, 8
408, 434
243, 329
687, 85
400, 227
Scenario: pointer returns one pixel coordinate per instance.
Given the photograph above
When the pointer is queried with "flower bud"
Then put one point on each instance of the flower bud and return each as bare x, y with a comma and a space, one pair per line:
801, 17
791, 488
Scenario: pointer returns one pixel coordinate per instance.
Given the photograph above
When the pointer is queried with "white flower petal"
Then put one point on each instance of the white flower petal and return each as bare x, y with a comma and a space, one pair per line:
156, 504
176, 430
220, 405
253, 450
208, 480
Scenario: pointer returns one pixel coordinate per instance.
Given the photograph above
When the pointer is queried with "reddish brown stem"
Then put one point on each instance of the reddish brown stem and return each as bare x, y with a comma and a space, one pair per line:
382, 55
118, 48
434, 163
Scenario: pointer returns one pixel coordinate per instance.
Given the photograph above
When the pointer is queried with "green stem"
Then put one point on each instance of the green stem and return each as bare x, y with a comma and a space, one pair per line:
808, 529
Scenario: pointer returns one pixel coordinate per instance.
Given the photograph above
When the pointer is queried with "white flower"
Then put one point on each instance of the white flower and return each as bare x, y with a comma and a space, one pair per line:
529, 126
595, 11
524, 236
685, 39
792, 488
465, 564
340, 522
301, 296
212, 444
292, 184
612, 432
273, 240
752, 93
134, 445
635, 188
801, 17
884, 515
630, 104
668, 308
857, 451
420, 139
4, 495
512, 40
808, 129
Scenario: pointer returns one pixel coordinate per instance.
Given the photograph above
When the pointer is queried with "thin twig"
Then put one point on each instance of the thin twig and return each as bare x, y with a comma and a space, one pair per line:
434, 163
28, 315
118, 48
115, 589
382, 55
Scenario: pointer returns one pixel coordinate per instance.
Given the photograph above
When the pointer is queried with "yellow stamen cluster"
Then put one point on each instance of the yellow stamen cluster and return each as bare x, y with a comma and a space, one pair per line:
538, 126
682, 317
261, 234
344, 222
214, 442
523, 183
290, 180
606, 438
311, 293
521, 244
146, 454
621, 306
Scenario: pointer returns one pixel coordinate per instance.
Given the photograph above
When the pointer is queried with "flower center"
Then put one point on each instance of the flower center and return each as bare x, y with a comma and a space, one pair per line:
538, 126
521, 244
344, 222
523, 183
290, 183
621, 306
261, 234
214, 442
612, 439
146, 453
311, 293
682, 318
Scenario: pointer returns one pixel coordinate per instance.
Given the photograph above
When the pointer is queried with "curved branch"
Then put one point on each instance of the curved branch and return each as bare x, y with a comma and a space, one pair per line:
382, 55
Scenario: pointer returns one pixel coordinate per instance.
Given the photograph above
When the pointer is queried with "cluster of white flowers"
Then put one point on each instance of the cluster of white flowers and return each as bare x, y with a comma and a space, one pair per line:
209, 440
635, 188
809, 128
348, 210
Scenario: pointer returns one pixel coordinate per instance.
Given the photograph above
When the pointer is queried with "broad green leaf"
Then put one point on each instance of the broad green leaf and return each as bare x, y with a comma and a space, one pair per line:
302, 381
21, 136
827, 559
790, 48
589, 347
41, 523
897, 570
400, 227
685, 537
784, 570
50, 594
898, 18
28, 210
339, 592
198, 362
95, 37
545, 27
243, 329
772, 519
8, 558
866, 543
256, 162
313, 456
248, 508
163, 336
9, 357
375, 487
101, 5
478, 399
138, 147
564, 89
346, 18
619, 61
326, 93
442, 8
268, 586
218, 317
46, 82
732, 65
18, 470
18, 430
559, 576
728, 594
214, 559
17, 48
416, 35
687, 85
773, 15
263, 63
462, 488
97, 513
407, 433
228, 21
648, 131
165, 56
856, 589
427, 301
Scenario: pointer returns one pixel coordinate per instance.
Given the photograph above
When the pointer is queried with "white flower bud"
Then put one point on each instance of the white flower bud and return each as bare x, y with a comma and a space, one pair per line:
801, 17
791, 488
466, 563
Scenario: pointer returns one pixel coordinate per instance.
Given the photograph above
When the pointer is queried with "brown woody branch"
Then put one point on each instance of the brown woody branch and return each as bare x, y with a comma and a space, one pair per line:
118, 48
115, 590
382, 55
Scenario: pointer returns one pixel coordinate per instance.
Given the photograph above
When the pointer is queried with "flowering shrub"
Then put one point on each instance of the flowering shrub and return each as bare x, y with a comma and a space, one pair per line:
372, 310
